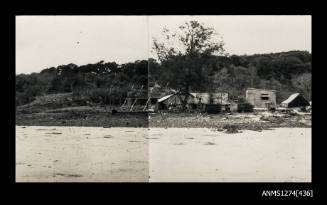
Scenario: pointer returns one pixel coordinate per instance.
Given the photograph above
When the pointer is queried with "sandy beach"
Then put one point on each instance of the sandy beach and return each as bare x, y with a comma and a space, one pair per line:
95, 154
81, 154
203, 155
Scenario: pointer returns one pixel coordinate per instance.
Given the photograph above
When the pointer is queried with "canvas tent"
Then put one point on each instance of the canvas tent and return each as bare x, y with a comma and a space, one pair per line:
295, 100
174, 100
165, 98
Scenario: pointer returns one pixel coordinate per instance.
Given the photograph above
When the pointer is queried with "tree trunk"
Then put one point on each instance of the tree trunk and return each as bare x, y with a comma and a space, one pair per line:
186, 93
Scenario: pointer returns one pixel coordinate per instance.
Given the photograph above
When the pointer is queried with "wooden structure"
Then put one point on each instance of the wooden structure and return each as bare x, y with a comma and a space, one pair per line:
261, 98
295, 100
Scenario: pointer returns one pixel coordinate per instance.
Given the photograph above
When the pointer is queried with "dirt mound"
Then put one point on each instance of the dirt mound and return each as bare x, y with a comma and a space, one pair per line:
51, 101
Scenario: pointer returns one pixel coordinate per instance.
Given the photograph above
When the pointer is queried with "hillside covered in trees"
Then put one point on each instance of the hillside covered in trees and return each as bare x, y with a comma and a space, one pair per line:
285, 72
109, 83
102, 82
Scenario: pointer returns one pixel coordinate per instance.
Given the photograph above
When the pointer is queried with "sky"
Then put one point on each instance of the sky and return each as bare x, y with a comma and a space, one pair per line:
49, 41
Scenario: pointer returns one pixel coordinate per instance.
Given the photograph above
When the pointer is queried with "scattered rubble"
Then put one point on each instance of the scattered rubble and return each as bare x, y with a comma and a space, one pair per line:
46, 111
257, 121
231, 128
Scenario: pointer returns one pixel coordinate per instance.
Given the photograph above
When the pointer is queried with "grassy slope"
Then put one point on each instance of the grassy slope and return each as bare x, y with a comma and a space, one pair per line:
58, 110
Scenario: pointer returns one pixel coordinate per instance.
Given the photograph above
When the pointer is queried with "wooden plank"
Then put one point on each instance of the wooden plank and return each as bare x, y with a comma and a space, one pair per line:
146, 104
133, 105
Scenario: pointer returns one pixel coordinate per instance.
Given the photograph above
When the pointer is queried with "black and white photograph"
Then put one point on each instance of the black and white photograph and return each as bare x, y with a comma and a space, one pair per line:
154, 98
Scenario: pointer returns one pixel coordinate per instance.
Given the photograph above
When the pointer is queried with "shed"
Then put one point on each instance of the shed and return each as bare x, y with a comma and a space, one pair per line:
211, 98
261, 98
295, 100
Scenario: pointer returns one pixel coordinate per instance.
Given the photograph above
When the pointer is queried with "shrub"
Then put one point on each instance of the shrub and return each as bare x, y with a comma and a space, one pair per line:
213, 108
245, 107
231, 128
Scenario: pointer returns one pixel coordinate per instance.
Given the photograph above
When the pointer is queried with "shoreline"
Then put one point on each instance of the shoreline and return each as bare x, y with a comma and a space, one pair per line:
85, 154
240, 121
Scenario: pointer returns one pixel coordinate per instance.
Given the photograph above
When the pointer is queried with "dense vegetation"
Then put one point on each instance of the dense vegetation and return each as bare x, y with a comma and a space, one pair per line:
106, 83
192, 58
286, 72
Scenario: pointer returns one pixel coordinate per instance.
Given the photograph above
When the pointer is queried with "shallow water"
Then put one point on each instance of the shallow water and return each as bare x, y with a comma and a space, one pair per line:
85, 154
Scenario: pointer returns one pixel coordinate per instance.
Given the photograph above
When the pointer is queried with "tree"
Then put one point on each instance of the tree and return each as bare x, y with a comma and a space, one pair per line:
241, 79
303, 82
184, 56
221, 79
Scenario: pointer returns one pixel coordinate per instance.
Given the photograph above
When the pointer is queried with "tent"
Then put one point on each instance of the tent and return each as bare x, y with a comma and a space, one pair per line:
295, 100
165, 98
174, 100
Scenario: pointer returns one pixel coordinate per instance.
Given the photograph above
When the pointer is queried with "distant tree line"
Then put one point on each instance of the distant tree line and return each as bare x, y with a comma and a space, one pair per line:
109, 83
106, 83
285, 72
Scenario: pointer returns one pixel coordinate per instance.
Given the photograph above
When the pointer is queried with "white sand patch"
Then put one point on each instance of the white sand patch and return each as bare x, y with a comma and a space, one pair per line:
199, 154
86, 154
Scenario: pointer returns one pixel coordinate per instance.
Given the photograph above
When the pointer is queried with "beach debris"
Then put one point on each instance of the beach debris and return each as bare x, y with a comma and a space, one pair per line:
107, 136
231, 128
209, 143
55, 133
74, 175
67, 175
